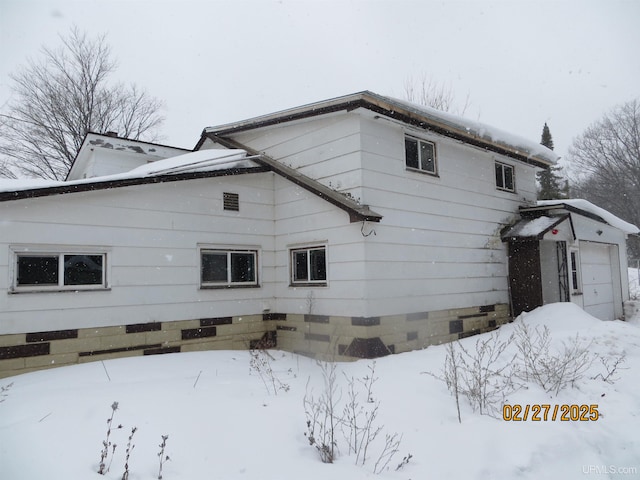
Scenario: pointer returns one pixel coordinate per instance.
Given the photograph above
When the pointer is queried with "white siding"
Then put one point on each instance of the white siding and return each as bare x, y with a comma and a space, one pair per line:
151, 234
438, 244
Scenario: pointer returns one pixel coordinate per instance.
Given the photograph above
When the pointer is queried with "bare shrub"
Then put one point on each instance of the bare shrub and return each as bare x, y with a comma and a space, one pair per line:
260, 363
611, 366
321, 414
552, 371
106, 443
356, 418
483, 376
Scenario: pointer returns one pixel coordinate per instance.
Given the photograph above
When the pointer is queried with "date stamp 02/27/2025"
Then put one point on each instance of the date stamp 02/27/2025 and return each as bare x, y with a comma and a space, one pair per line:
547, 412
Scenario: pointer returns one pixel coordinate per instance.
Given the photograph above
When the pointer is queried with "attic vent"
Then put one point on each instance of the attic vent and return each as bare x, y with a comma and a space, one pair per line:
231, 201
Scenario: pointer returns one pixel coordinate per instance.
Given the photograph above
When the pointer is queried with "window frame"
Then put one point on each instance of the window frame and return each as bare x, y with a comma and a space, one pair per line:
228, 252
420, 168
575, 274
59, 253
503, 166
294, 282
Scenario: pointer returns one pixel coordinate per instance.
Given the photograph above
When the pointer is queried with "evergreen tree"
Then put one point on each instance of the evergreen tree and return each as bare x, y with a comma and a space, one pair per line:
552, 185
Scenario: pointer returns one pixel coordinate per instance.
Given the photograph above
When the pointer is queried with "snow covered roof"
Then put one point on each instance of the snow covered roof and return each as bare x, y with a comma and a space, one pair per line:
198, 164
175, 168
454, 126
584, 206
532, 228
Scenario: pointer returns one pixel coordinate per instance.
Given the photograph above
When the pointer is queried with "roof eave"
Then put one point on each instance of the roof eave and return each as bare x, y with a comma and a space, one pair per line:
383, 106
126, 182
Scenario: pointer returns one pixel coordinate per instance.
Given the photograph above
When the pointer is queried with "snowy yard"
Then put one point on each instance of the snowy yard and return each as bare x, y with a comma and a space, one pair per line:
222, 422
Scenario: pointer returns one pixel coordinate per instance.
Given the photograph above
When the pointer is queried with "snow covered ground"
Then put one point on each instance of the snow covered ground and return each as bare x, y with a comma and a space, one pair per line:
223, 423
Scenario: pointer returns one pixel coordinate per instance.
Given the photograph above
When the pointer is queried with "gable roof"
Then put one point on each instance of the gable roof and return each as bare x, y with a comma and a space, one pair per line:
200, 164
453, 126
92, 140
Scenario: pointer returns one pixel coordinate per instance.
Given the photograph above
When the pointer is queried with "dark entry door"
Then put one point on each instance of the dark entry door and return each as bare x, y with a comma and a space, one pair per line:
525, 278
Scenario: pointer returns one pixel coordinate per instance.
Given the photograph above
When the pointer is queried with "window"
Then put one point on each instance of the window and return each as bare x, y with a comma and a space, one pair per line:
420, 155
504, 177
228, 268
575, 272
59, 271
309, 266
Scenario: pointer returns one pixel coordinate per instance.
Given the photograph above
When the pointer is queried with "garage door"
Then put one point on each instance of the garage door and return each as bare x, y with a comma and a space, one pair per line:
598, 280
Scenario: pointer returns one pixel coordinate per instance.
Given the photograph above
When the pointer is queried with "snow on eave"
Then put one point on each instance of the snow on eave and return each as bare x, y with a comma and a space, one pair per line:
586, 206
468, 131
189, 165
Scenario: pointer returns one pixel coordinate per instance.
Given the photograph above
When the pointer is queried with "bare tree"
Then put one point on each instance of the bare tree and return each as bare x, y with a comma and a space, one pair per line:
426, 91
62, 96
607, 155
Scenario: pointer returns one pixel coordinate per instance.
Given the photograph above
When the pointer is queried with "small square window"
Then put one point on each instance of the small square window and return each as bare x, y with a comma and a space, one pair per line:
420, 155
309, 265
228, 268
505, 179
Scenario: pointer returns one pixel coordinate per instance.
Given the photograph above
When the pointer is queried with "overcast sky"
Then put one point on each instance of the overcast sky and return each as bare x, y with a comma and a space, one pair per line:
522, 63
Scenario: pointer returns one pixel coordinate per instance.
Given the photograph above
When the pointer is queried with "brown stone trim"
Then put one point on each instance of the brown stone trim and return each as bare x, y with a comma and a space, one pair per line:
274, 316
318, 337
48, 336
144, 327
161, 350
316, 318
455, 326
204, 332
475, 315
118, 350
211, 322
22, 351
367, 348
365, 321
286, 329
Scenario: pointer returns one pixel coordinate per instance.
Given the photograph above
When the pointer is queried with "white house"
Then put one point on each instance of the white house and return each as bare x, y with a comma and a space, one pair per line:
353, 227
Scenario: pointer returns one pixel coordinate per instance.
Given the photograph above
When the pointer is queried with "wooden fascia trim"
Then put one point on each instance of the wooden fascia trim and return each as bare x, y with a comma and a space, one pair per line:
110, 184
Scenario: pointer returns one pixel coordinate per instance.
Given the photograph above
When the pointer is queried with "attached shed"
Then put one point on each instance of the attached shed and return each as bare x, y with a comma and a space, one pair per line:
569, 251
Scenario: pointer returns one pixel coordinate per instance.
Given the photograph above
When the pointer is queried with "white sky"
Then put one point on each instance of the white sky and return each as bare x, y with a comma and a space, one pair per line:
522, 63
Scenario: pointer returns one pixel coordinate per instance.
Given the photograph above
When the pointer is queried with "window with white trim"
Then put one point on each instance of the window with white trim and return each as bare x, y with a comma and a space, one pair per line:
228, 268
42, 271
420, 155
505, 178
309, 266
574, 272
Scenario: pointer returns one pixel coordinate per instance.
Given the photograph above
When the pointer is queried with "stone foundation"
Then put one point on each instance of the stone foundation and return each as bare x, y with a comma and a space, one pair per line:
319, 336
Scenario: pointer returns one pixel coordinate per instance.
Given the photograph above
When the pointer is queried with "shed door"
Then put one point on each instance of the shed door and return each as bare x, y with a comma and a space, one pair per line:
598, 278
